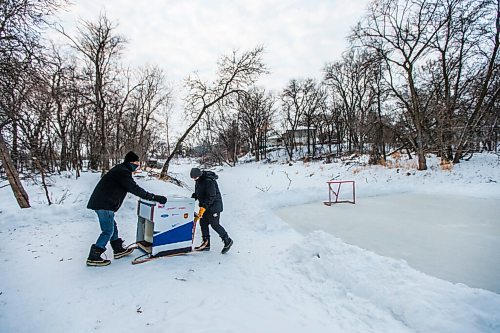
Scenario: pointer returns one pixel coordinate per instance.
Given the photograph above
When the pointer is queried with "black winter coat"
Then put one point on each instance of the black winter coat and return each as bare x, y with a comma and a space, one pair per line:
207, 192
113, 187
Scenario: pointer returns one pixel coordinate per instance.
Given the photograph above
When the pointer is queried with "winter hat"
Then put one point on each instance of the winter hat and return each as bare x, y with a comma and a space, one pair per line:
195, 172
131, 157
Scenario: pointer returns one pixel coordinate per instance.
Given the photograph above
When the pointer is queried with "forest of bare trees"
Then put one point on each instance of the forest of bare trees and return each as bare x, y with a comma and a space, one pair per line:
419, 75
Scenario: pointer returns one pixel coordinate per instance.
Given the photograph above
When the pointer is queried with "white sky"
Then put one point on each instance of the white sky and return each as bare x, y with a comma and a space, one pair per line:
183, 36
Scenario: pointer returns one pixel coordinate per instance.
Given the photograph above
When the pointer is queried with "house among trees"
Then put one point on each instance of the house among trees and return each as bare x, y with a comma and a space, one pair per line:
301, 135
274, 141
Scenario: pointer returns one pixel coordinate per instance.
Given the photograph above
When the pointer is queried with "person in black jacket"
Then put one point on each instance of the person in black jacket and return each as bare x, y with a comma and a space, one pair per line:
106, 199
208, 195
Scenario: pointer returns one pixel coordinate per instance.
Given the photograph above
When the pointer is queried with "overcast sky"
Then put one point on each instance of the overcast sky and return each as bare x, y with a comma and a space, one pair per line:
183, 36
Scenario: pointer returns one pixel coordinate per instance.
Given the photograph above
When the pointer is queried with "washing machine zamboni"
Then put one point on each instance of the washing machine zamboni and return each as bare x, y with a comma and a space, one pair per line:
164, 230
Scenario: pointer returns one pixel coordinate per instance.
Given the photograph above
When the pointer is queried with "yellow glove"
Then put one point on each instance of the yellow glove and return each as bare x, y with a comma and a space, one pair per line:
197, 216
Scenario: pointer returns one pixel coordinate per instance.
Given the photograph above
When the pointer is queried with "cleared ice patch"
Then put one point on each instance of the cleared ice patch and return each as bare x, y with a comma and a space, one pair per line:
455, 238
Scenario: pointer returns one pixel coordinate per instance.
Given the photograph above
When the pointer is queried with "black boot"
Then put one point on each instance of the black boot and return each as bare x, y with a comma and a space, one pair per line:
205, 245
118, 250
228, 242
95, 259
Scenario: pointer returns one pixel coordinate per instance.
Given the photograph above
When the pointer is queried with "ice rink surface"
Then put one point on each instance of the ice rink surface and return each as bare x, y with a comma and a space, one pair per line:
455, 238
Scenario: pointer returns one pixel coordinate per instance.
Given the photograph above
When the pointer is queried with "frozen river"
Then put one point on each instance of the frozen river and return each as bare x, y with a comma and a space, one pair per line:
454, 238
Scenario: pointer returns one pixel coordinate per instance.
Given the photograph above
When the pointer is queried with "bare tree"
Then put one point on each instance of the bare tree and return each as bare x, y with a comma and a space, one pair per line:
316, 102
332, 125
150, 99
256, 113
401, 31
34, 124
63, 86
301, 101
122, 106
487, 87
101, 48
235, 74
224, 135
462, 71
20, 43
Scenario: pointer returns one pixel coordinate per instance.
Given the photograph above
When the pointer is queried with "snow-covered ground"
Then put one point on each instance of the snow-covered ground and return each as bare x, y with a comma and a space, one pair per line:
274, 278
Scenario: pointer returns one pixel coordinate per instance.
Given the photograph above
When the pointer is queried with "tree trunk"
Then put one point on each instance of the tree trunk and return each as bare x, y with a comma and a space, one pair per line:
64, 153
418, 120
13, 176
44, 183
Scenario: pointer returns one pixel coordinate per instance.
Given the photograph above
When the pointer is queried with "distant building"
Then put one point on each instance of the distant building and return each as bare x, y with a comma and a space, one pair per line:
152, 162
274, 141
300, 135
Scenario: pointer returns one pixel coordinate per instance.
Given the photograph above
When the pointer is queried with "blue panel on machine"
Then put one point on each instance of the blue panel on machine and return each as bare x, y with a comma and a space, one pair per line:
179, 234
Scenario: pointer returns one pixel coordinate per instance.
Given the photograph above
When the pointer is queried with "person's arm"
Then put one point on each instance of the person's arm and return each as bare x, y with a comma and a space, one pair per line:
131, 186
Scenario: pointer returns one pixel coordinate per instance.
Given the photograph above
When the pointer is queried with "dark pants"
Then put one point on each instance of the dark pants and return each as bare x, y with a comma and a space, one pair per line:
210, 219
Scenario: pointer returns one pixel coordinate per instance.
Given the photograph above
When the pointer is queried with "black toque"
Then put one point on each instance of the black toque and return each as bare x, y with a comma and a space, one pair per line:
195, 172
131, 157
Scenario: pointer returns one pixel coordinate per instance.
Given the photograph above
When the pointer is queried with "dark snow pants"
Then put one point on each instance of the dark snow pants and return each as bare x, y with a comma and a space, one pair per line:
211, 219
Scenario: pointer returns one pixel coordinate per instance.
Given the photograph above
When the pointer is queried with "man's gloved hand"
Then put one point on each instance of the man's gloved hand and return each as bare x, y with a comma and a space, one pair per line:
160, 198
201, 212
193, 196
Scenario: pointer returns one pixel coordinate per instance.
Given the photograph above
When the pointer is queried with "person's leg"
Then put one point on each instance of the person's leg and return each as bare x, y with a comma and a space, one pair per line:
108, 230
118, 250
94, 258
115, 231
204, 222
205, 235
214, 221
108, 227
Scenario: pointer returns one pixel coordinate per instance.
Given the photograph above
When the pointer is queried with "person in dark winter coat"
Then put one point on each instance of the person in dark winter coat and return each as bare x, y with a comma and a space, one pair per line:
106, 199
208, 195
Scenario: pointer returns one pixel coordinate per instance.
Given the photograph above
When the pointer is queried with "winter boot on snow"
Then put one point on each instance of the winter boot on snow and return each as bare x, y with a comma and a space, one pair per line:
95, 259
118, 250
228, 242
204, 246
